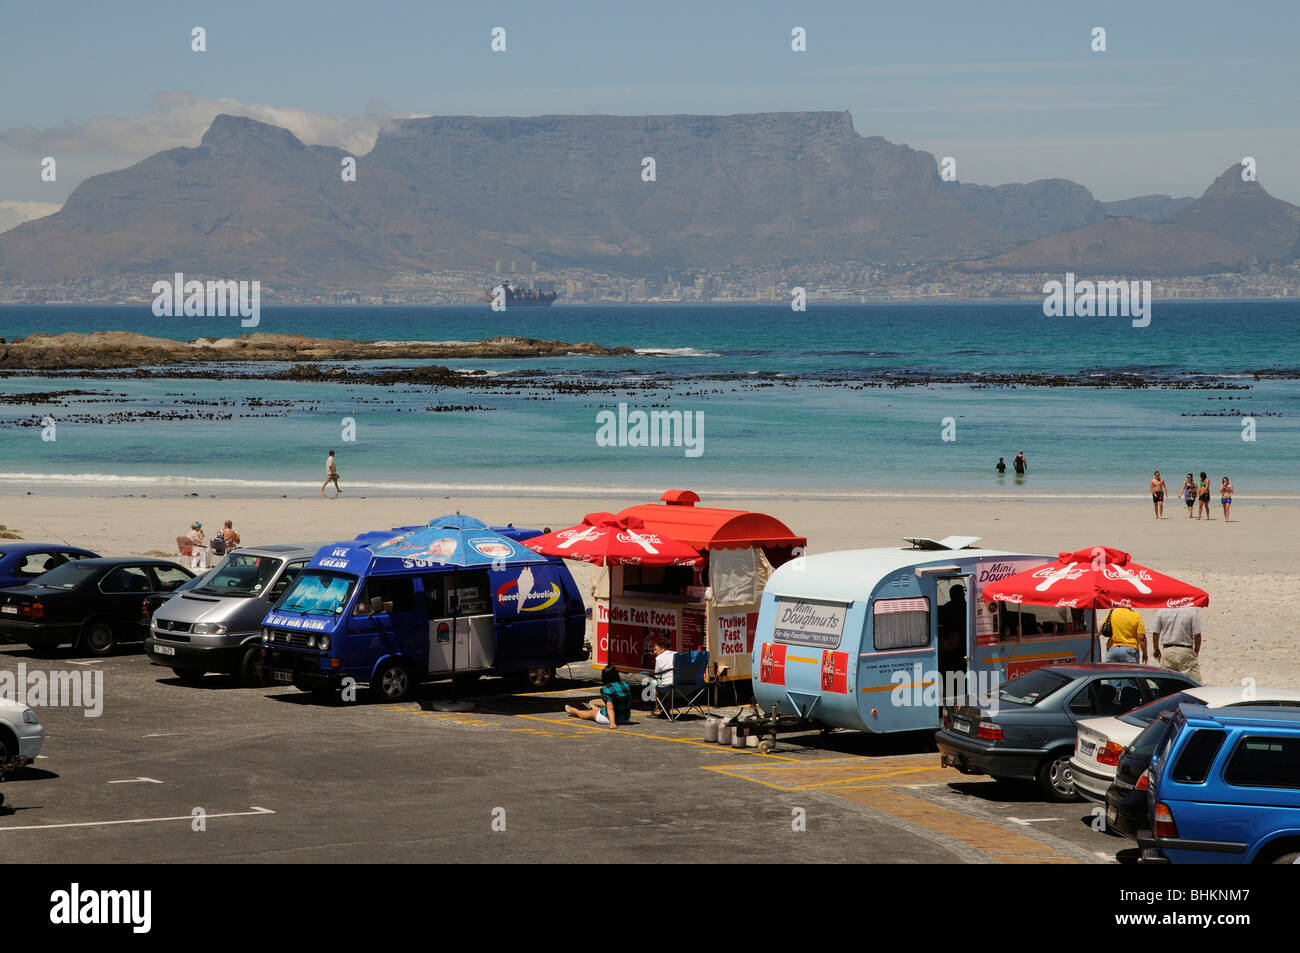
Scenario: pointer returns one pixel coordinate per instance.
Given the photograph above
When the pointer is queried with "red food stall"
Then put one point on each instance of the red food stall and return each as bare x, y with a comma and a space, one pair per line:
713, 605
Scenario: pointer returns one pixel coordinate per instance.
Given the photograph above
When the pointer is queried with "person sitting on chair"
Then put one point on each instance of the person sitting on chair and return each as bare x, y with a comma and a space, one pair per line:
613, 707
663, 677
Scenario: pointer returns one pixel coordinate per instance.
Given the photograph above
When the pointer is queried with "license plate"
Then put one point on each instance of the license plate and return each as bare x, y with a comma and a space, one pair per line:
12, 610
962, 724
1112, 813
1087, 747
164, 650
282, 675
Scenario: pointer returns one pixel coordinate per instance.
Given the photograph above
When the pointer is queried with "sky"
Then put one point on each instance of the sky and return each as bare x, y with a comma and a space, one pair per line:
1012, 90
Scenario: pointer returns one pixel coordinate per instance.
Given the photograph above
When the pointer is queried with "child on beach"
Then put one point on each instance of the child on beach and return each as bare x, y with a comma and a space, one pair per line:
1189, 494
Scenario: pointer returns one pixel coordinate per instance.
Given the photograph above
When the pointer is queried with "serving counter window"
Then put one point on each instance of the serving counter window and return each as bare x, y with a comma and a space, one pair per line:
657, 580
1027, 622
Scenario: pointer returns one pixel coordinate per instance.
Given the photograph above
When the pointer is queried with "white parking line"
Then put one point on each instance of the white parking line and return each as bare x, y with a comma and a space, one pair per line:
137, 820
1030, 820
136, 781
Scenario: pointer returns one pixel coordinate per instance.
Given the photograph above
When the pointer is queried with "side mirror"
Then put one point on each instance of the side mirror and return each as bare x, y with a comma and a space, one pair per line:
376, 604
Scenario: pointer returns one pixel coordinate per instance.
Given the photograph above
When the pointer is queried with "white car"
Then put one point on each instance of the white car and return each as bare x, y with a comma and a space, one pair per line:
1101, 740
20, 732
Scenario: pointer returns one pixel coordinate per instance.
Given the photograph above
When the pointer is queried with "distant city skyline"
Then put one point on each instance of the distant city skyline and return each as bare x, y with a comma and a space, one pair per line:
1182, 90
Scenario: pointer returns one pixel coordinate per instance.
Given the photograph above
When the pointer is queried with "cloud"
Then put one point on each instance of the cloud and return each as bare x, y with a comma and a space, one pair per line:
15, 213
180, 119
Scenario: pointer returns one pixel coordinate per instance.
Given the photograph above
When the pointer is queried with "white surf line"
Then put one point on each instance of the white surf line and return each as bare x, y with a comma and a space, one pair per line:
1030, 820
138, 820
137, 781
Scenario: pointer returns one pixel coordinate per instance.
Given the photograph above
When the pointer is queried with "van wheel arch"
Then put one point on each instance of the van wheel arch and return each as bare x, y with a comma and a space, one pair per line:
386, 684
1284, 850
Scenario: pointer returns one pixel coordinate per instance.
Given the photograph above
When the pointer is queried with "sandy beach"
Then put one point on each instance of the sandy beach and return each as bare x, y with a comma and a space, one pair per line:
1250, 567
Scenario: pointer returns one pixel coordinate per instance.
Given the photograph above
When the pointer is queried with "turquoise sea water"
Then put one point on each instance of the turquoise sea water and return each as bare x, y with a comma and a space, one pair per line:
789, 401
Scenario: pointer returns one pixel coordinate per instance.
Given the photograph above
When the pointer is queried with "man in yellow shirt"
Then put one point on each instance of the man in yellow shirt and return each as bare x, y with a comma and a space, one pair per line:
1127, 635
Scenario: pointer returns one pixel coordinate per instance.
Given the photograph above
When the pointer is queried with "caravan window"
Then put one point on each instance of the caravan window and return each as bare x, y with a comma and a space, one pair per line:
901, 623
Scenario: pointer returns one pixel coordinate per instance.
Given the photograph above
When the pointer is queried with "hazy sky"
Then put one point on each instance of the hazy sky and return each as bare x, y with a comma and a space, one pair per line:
1184, 89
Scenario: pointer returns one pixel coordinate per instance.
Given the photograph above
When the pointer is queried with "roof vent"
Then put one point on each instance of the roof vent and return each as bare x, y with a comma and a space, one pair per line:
948, 542
680, 497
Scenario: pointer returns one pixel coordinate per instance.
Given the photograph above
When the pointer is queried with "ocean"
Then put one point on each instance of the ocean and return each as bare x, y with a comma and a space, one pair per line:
872, 400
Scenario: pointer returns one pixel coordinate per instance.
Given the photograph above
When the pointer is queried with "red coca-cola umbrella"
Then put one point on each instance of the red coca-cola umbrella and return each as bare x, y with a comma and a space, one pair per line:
1096, 578
609, 540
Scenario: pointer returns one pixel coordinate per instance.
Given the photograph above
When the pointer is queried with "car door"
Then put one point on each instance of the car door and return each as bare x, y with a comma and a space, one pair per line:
122, 594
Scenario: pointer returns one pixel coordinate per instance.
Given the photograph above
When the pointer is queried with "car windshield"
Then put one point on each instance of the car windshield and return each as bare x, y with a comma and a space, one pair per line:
67, 576
1033, 687
240, 574
1141, 717
316, 592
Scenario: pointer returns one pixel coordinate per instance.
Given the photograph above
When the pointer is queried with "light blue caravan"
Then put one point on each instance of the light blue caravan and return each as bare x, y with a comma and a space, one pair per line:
869, 639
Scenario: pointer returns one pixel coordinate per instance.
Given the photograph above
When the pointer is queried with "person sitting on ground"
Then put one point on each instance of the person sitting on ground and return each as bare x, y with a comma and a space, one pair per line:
663, 677
613, 707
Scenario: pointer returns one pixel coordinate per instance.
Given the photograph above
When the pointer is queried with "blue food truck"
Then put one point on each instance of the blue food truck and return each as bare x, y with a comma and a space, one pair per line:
880, 640
452, 599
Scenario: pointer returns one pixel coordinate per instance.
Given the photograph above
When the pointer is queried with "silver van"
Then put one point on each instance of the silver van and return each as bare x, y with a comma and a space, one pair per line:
216, 626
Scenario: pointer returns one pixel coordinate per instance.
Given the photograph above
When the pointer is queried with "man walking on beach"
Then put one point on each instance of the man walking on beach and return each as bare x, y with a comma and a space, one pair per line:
331, 475
1158, 494
1178, 640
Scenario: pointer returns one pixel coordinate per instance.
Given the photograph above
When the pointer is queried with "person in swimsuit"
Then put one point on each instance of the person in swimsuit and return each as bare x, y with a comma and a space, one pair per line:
1203, 497
1225, 497
1002, 466
1189, 494
1158, 494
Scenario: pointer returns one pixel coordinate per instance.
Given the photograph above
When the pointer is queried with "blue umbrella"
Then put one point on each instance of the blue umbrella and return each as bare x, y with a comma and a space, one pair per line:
456, 540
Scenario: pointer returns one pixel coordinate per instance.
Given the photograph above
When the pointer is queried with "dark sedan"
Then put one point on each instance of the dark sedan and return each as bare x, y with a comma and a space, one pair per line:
21, 563
1127, 810
1029, 734
91, 603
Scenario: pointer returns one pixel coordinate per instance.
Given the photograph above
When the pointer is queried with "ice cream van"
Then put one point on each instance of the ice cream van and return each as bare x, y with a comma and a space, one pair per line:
393, 616
880, 640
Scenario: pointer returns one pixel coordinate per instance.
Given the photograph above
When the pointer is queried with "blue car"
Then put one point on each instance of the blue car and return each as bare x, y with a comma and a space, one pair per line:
1225, 788
20, 563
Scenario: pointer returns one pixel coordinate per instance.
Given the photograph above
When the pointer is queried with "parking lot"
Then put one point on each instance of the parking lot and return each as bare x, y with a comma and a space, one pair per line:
220, 773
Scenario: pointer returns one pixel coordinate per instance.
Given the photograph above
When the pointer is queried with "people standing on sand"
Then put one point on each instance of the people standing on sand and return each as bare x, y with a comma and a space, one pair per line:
331, 476
1125, 634
198, 546
1002, 466
1189, 494
1203, 497
1020, 463
1158, 494
1178, 640
1225, 497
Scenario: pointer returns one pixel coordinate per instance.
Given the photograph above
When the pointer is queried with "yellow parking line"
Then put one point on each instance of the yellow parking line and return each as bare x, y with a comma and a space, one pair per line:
582, 723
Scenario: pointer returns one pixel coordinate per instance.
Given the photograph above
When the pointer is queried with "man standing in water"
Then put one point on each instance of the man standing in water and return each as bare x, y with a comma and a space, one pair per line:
1020, 463
331, 475
1158, 494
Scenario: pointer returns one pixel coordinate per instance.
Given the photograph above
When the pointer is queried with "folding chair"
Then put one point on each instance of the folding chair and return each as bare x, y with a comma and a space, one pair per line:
689, 685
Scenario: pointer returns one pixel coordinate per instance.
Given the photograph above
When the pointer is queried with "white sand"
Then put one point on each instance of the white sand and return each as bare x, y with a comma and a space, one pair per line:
1250, 567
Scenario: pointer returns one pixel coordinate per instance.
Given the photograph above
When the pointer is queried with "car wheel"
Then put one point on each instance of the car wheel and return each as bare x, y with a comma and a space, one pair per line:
392, 681
1056, 778
99, 638
189, 676
8, 747
540, 677
1291, 858
251, 671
